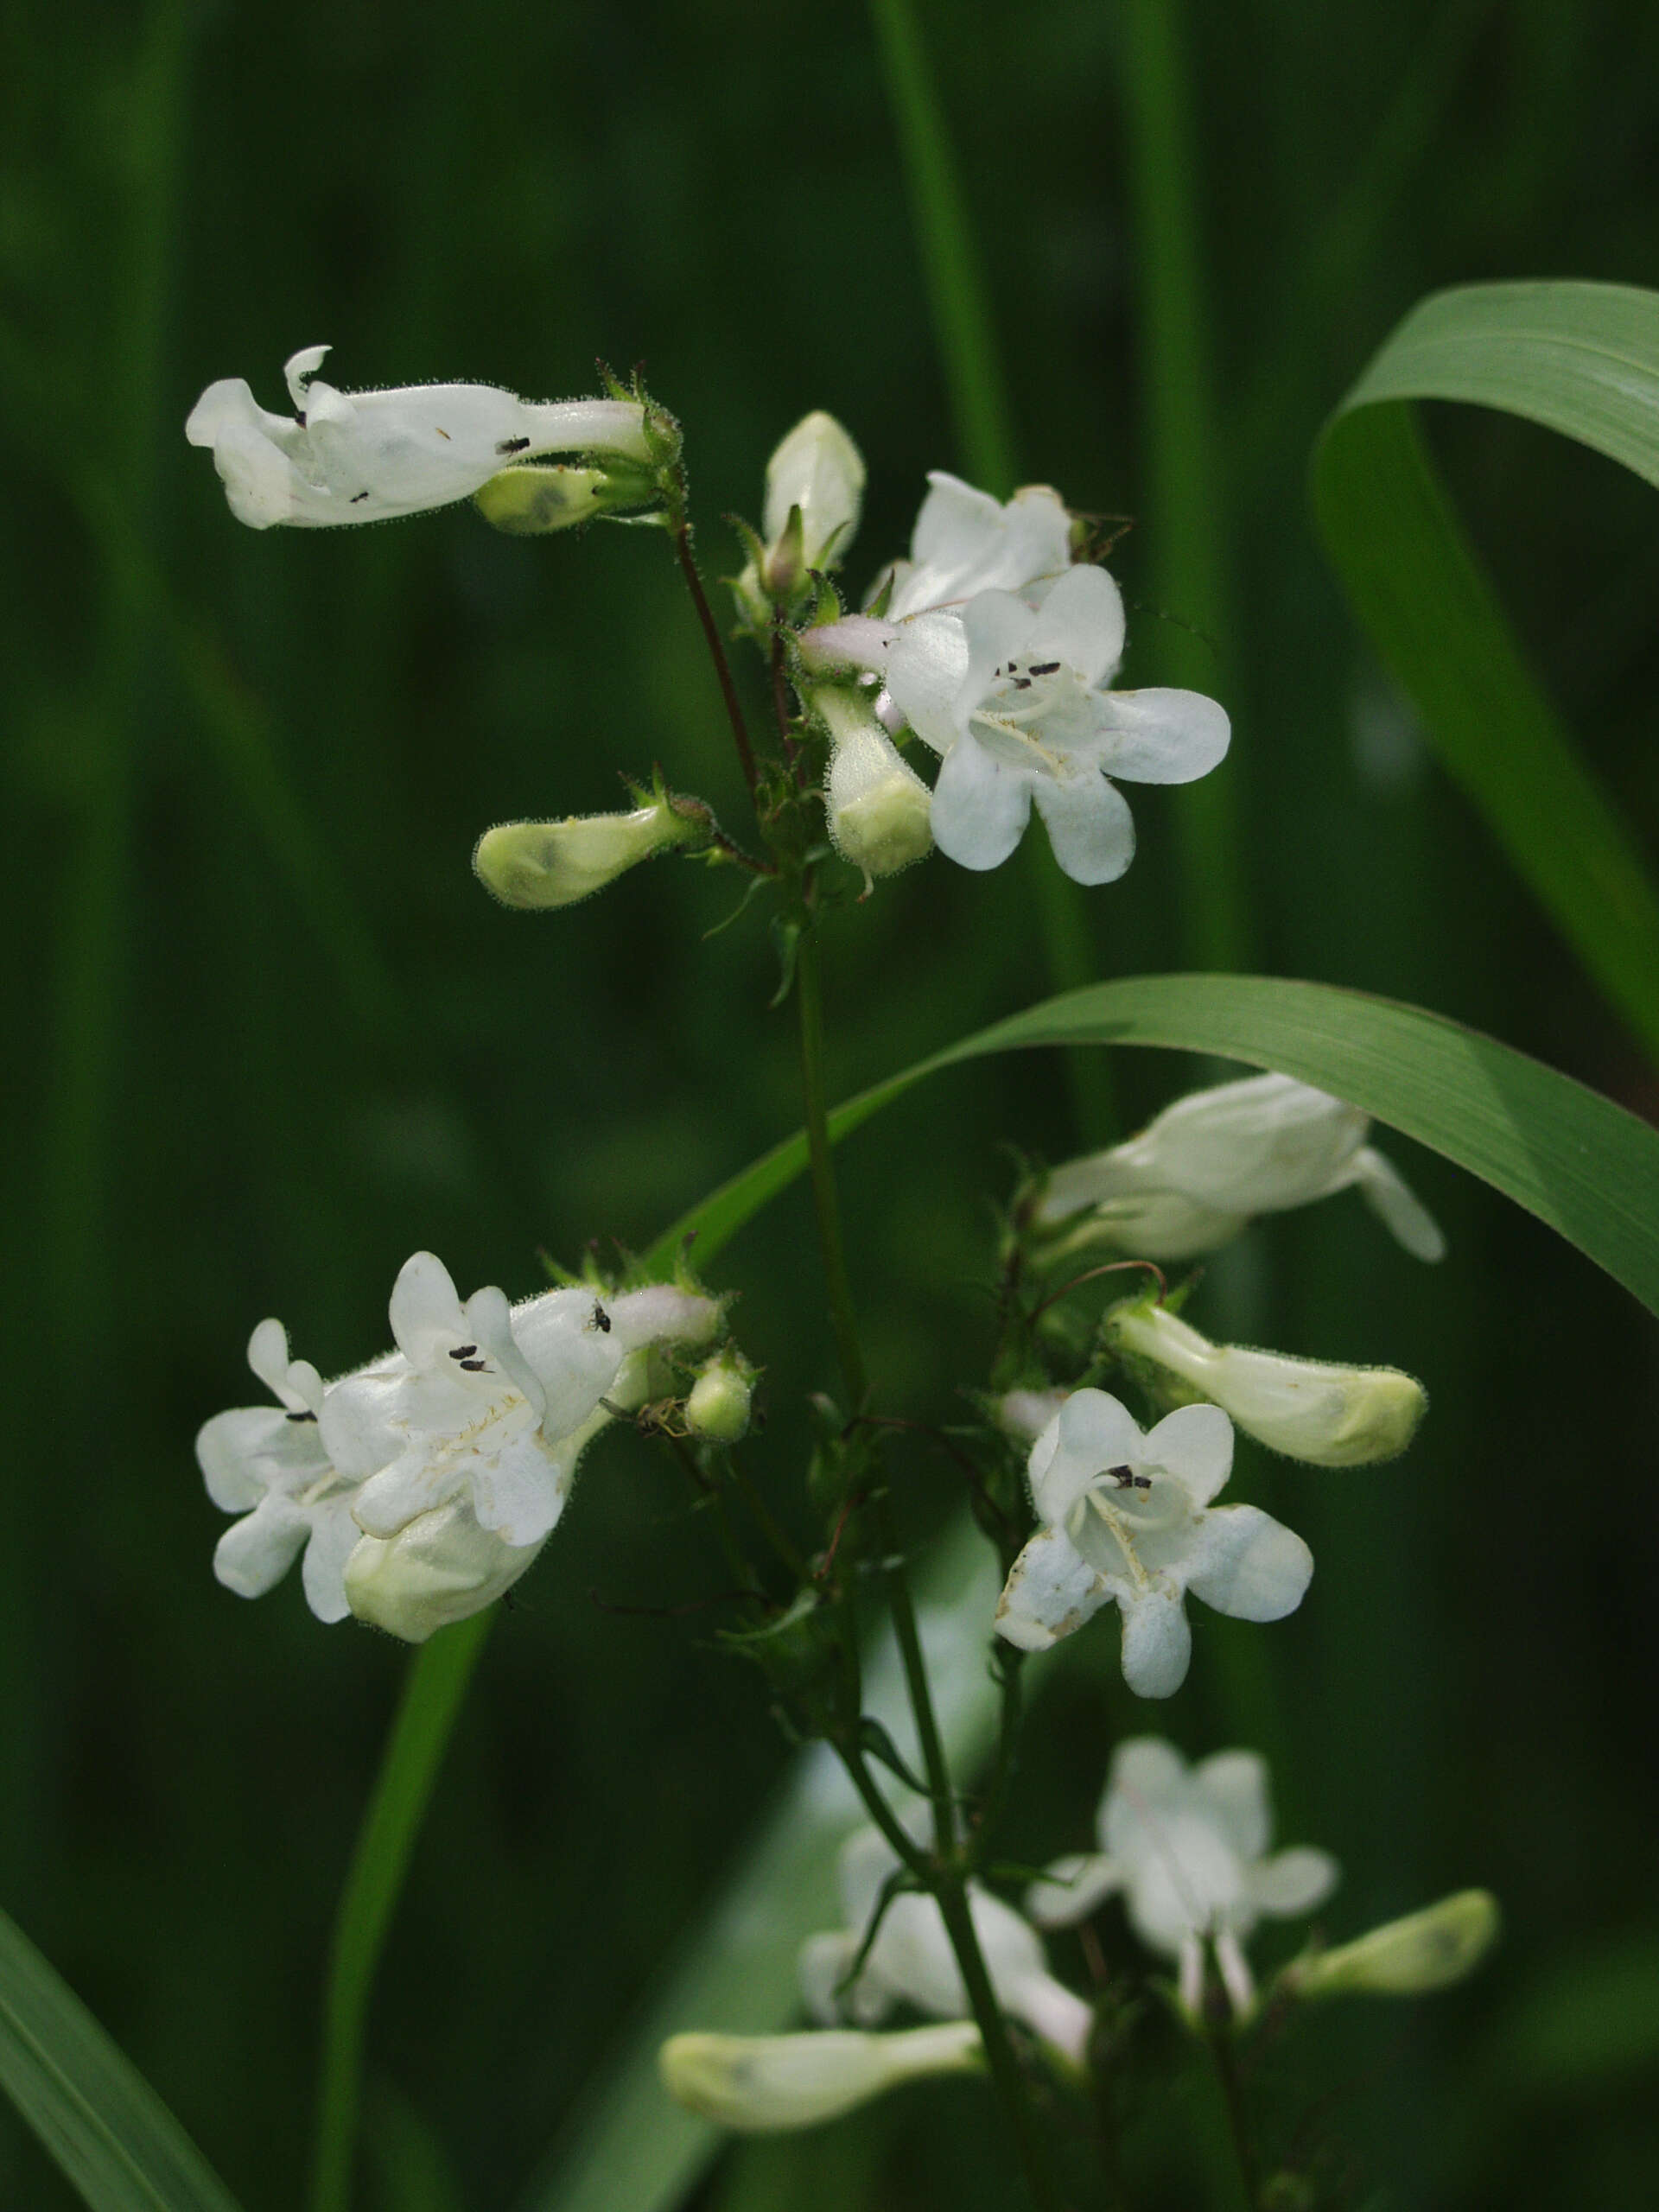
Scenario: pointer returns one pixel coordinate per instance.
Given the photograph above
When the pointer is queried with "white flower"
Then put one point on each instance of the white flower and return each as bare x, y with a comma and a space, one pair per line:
1187, 1849
911, 1960
361, 456
1309, 1409
762, 2084
269, 1464
965, 542
1403, 1958
876, 805
1128, 1517
489, 1401
1015, 697
1208, 1163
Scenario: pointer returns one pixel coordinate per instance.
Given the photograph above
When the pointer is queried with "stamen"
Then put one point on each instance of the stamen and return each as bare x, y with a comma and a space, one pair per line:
476, 1366
444, 435
1044, 668
306, 1415
1126, 1478
463, 1351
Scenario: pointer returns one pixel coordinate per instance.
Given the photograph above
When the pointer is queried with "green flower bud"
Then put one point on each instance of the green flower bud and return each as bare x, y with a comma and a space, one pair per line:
1309, 1409
878, 807
542, 864
530, 501
764, 2084
1404, 1957
718, 1407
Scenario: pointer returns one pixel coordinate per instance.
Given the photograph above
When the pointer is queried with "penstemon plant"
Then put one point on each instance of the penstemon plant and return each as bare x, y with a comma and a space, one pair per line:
419, 1488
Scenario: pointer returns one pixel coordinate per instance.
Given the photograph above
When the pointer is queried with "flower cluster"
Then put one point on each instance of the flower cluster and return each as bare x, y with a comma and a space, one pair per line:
422, 1486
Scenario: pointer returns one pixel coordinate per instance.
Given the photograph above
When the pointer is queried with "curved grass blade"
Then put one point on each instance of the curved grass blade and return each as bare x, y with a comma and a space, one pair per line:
1580, 1163
1580, 359
432, 1693
93, 2111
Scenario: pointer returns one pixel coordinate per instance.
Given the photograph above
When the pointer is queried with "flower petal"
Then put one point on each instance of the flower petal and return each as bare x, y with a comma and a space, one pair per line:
238, 1453
996, 626
980, 808
926, 670
255, 1553
1161, 736
1157, 1642
1234, 1786
517, 1491
1195, 1443
1396, 1205
360, 1428
1050, 1592
1081, 623
425, 1310
416, 1481
1147, 1775
334, 1536
1246, 1564
825, 1962
1292, 1882
1091, 1432
1072, 1889
1089, 823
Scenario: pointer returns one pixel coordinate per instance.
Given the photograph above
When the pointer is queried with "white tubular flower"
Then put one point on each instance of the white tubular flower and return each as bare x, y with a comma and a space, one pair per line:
910, 1961
1024, 1414
760, 2085
1309, 1409
1016, 699
818, 472
1128, 1518
1209, 1163
1404, 1957
1187, 1850
876, 805
540, 865
269, 1464
363, 456
489, 1402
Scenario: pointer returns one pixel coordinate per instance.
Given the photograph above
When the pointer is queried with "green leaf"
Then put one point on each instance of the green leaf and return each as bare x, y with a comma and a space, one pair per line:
1581, 359
1580, 1163
92, 2110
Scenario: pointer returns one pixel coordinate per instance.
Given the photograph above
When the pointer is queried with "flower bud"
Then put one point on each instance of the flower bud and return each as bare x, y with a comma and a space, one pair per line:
764, 2084
878, 806
1024, 1414
530, 501
439, 1567
718, 1407
1309, 1409
816, 474
1404, 1957
543, 864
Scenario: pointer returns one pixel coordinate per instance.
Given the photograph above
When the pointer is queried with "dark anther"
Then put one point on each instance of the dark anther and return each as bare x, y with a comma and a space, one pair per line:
1044, 668
300, 418
306, 1415
1126, 1478
476, 1366
444, 436
1022, 684
512, 445
356, 496
463, 1351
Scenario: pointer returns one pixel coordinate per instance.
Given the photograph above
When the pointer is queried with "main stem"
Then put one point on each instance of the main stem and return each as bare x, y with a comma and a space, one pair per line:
948, 1885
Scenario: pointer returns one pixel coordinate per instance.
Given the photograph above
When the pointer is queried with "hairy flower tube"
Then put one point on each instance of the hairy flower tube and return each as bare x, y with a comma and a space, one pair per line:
1211, 1161
1309, 1409
761, 2085
1187, 1849
1127, 1519
877, 806
1426, 1950
911, 1960
540, 865
350, 457
428, 1481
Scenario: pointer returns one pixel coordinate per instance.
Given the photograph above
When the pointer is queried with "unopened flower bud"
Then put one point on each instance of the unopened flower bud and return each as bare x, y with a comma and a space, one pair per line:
718, 1405
1309, 1409
543, 864
764, 2084
1024, 1414
817, 472
878, 806
1404, 1957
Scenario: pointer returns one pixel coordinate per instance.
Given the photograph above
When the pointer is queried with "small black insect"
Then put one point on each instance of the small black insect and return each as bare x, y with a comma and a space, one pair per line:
508, 445
357, 496
1126, 1478
463, 1351
601, 1320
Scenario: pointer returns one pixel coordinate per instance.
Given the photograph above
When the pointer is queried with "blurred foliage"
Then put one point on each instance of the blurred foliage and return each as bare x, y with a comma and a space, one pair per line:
268, 1036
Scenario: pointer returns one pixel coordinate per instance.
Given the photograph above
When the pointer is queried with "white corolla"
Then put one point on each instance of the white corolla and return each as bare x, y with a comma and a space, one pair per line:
1127, 1519
362, 456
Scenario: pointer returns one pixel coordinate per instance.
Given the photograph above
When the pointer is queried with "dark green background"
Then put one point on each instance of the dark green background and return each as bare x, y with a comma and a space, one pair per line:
266, 1036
